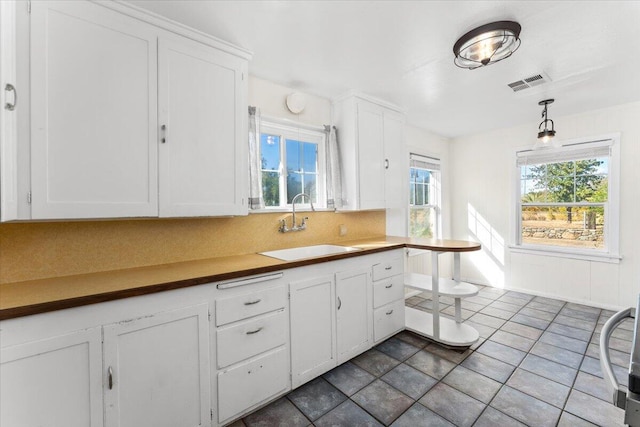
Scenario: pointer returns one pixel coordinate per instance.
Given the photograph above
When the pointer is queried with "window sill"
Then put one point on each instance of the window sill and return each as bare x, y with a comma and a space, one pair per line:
560, 253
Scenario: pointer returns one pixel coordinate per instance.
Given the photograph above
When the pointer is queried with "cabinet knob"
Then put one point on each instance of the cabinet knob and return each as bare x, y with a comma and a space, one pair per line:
386, 163
164, 133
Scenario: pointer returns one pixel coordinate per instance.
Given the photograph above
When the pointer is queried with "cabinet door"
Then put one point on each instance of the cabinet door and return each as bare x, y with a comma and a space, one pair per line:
313, 343
93, 112
354, 313
8, 116
370, 156
202, 99
157, 370
396, 162
55, 382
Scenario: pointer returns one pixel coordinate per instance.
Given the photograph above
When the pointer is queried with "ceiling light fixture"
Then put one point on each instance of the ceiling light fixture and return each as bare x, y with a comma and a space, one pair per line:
487, 44
545, 134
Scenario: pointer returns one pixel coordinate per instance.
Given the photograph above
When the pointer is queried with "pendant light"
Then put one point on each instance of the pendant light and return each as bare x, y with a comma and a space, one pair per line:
487, 44
545, 135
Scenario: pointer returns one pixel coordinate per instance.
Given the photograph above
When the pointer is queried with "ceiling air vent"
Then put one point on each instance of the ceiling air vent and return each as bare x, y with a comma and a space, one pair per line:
528, 82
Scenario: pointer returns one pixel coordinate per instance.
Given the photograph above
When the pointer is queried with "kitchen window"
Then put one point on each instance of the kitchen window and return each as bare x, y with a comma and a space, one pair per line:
424, 196
567, 198
292, 162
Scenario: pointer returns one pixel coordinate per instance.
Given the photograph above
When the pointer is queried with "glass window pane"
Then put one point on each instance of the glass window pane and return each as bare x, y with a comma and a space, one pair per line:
533, 191
270, 188
574, 226
421, 222
420, 194
412, 194
270, 151
310, 157
310, 187
294, 155
591, 188
294, 185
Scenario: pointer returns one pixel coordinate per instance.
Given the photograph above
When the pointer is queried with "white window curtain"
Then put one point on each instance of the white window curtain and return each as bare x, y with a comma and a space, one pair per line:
256, 201
334, 172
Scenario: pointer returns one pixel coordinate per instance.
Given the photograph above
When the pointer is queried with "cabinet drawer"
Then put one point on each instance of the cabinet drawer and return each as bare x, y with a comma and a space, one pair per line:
387, 269
388, 290
251, 383
388, 320
250, 304
249, 338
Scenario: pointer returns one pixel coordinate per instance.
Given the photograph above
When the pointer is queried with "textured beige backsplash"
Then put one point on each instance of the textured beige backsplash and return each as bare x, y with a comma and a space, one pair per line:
31, 251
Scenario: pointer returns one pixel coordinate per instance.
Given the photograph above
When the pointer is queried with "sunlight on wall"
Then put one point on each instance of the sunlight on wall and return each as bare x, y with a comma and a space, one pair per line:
490, 260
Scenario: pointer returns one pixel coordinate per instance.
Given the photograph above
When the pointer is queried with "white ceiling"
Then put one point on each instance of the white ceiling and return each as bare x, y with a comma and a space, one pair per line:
401, 51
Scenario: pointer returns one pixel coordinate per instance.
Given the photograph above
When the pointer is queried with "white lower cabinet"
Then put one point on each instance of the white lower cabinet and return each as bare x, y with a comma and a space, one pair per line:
169, 360
252, 353
353, 312
55, 382
252, 382
157, 370
313, 328
134, 367
388, 320
388, 297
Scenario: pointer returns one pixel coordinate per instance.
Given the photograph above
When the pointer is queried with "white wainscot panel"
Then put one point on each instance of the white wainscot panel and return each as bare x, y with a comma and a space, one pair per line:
572, 279
534, 274
605, 285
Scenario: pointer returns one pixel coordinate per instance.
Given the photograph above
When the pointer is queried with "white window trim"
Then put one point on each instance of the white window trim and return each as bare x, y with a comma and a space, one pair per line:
301, 132
612, 225
436, 160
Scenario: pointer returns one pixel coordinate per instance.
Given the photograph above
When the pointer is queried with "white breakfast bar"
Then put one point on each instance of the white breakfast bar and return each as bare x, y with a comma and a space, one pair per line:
432, 325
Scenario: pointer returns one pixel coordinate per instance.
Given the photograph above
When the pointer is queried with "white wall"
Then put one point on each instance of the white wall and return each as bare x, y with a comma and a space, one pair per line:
482, 196
270, 98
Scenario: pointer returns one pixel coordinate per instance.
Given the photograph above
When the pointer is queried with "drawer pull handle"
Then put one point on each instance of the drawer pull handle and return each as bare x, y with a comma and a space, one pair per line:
255, 331
252, 302
389, 312
110, 371
10, 88
389, 285
388, 267
339, 303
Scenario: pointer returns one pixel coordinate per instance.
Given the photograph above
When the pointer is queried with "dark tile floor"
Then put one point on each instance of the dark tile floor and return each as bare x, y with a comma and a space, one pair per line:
536, 364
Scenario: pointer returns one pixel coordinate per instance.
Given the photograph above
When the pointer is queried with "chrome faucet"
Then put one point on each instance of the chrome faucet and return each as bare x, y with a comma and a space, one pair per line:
295, 227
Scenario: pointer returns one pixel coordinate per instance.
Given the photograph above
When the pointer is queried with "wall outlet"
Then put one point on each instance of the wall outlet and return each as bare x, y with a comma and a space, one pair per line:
343, 229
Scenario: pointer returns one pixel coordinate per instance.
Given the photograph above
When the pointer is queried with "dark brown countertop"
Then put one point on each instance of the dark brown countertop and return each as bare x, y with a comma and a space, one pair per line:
39, 296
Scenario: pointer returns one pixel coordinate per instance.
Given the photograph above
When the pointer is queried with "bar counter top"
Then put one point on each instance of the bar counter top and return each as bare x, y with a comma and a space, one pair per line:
39, 296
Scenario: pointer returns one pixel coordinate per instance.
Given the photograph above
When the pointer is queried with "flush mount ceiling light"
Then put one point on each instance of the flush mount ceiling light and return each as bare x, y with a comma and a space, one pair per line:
487, 44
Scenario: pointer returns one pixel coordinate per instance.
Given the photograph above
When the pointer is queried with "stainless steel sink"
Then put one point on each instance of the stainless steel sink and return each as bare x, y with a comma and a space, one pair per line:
302, 252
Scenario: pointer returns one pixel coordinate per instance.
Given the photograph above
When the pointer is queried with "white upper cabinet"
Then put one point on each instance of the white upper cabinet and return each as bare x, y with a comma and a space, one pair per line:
8, 112
202, 99
372, 150
125, 118
93, 108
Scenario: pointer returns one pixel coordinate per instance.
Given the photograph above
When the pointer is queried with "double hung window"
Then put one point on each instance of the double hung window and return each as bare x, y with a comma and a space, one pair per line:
424, 196
567, 198
292, 162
